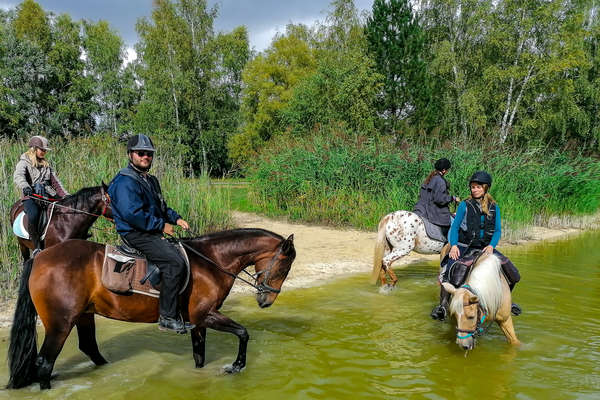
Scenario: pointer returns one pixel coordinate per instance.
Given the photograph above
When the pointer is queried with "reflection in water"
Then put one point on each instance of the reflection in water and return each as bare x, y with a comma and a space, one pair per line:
345, 340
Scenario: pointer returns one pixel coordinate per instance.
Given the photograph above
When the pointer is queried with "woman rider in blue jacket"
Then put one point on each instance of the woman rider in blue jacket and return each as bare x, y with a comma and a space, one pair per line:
477, 227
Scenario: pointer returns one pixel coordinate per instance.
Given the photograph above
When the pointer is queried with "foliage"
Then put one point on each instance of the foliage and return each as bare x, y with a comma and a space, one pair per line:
396, 42
345, 179
191, 81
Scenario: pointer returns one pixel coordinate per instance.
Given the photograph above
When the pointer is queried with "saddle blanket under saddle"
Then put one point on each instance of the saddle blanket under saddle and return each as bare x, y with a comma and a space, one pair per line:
20, 230
433, 231
125, 273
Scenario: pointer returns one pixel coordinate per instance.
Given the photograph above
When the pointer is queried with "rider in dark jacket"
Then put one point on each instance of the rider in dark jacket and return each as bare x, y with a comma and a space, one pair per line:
434, 197
142, 216
476, 227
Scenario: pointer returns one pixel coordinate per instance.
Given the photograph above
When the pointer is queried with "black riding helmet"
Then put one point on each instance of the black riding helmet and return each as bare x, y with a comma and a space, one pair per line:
441, 164
481, 177
140, 142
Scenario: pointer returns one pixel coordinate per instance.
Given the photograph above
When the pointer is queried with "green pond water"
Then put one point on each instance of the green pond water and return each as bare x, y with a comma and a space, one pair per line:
344, 340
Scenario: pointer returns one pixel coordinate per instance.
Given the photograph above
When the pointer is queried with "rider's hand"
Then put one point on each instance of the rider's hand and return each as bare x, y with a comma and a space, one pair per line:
488, 250
182, 223
454, 253
27, 191
168, 229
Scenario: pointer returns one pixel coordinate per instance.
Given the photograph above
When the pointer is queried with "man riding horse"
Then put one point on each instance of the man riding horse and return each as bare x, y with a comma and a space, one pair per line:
34, 176
142, 216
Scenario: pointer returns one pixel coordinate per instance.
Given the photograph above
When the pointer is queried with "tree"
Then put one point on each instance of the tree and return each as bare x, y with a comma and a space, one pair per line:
396, 42
189, 80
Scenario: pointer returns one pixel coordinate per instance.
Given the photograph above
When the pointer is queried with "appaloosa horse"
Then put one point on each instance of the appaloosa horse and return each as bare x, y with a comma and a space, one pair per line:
398, 234
484, 297
71, 218
62, 285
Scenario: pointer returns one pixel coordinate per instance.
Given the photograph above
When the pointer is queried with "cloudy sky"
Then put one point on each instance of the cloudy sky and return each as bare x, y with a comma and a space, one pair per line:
263, 18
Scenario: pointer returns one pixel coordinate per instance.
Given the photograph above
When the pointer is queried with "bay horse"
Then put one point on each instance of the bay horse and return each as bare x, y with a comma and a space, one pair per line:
72, 217
399, 233
62, 285
484, 297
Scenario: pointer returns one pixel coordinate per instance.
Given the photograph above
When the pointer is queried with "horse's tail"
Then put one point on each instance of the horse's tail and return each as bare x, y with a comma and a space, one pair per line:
22, 351
380, 244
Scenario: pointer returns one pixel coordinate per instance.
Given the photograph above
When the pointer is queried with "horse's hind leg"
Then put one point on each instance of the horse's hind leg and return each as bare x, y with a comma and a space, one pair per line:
53, 343
219, 322
199, 345
396, 254
86, 331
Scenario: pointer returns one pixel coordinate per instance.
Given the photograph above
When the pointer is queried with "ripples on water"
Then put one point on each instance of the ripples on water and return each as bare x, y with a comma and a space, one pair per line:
345, 340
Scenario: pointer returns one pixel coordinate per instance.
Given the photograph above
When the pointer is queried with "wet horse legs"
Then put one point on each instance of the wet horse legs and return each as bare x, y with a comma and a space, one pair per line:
86, 331
199, 345
219, 322
53, 343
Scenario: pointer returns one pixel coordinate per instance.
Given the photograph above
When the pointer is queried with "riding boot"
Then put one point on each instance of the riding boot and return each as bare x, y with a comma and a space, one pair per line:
441, 311
34, 236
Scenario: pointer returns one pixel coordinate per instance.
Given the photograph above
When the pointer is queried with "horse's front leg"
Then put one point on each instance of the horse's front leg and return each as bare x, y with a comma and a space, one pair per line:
509, 330
199, 345
219, 322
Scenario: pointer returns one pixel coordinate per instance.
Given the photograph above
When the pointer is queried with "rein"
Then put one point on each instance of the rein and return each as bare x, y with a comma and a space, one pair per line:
478, 328
260, 287
49, 200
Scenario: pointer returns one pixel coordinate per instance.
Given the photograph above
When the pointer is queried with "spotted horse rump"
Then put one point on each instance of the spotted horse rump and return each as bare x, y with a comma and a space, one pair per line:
398, 234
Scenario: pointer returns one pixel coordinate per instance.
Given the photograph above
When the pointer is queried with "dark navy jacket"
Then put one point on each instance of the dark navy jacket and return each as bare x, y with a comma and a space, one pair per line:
137, 203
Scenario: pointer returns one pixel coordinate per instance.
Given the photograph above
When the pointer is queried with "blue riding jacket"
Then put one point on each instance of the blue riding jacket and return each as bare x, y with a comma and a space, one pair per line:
137, 203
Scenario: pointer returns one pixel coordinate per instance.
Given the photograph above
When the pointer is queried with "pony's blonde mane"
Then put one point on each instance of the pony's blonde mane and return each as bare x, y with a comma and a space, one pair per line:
485, 280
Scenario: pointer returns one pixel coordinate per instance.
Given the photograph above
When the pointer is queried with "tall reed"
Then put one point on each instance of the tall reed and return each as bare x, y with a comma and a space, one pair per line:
85, 162
350, 180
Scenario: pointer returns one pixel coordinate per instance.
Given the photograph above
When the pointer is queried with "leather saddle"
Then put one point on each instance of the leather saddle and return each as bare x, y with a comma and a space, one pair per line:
127, 271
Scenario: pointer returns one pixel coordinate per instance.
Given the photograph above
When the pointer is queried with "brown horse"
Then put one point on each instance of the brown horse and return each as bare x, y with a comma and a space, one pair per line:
72, 217
485, 297
62, 285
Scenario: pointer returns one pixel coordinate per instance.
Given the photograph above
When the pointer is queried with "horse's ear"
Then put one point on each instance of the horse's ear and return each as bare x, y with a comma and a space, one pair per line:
104, 186
449, 287
288, 245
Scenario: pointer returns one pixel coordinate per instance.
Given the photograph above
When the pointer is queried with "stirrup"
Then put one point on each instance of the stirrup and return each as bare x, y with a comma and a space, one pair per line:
439, 312
515, 309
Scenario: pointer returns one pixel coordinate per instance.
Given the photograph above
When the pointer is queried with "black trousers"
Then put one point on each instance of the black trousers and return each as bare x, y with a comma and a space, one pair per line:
33, 211
169, 261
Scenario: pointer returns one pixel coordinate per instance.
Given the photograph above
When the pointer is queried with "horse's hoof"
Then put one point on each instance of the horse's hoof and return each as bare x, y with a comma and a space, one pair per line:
232, 369
386, 289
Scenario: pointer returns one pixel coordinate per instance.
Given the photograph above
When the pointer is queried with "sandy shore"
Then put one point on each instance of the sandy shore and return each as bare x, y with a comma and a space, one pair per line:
325, 253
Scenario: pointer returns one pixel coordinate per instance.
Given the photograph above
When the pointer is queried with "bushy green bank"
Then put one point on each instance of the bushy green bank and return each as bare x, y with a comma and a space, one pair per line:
354, 181
87, 162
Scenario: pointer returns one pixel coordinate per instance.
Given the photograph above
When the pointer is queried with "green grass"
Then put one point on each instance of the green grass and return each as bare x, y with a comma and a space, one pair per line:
85, 162
349, 180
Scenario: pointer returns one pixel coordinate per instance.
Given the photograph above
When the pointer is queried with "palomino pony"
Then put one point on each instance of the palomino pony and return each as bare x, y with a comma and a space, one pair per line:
484, 297
398, 234
62, 285
71, 218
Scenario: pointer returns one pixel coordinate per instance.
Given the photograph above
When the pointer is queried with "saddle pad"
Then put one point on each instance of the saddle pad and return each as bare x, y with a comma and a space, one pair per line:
19, 226
122, 273
433, 231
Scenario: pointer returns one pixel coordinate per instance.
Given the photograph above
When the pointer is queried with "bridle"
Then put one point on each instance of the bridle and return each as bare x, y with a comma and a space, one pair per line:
478, 328
261, 287
54, 202
106, 201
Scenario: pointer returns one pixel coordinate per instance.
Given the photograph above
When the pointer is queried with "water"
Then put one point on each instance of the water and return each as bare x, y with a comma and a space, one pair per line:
345, 340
